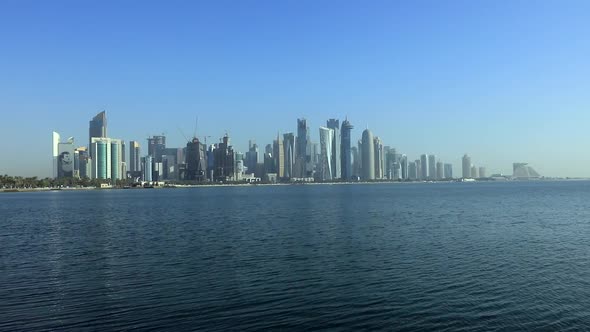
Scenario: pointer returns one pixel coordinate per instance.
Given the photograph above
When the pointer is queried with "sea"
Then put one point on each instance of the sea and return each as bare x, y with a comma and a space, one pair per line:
484, 256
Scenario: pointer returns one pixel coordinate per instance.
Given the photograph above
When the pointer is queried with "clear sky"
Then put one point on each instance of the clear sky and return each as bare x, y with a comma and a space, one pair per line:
504, 81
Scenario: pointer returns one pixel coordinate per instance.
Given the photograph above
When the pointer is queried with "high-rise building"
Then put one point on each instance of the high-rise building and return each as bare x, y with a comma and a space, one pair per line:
55, 152
156, 147
134, 156
379, 158
326, 147
147, 163
66, 159
279, 155
482, 172
289, 149
83, 166
466, 169
336, 161
97, 128
346, 150
418, 169
303, 150
224, 167
432, 167
448, 171
252, 156
368, 156
439, 170
404, 162
424, 167
474, 174
108, 161
412, 171
196, 161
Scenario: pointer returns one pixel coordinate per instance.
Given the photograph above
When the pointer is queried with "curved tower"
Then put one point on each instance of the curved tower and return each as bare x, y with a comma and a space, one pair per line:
368, 156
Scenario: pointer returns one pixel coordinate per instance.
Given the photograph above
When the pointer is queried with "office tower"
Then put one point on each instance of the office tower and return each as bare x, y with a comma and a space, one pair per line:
82, 163
279, 155
379, 159
326, 150
55, 152
404, 162
210, 162
289, 149
418, 169
448, 171
368, 156
336, 150
302, 155
147, 163
482, 172
252, 156
224, 160
346, 150
424, 167
356, 162
268, 161
134, 156
439, 170
107, 163
412, 171
432, 167
360, 150
466, 163
65, 159
473, 172
196, 161
156, 146
97, 128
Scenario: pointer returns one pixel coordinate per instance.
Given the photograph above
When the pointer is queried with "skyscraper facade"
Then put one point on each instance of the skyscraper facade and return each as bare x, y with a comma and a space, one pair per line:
97, 127
326, 151
224, 161
404, 165
368, 156
108, 161
412, 171
424, 167
55, 152
439, 170
474, 174
134, 156
379, 158
289, 150
336, 161
448, 171
302, 155
466, 166
279, 156
432, 167
196, 161
156, 147
482, 172
346, 150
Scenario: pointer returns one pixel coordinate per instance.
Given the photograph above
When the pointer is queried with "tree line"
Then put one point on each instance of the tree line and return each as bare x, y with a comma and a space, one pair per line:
20, 182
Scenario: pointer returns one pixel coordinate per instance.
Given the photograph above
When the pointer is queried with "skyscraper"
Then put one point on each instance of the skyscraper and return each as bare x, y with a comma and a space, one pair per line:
412, 171
368, 156
134, 156
196, 161
252, 156
289, 149
448, 171
404, 162
326, 161
156, 147
108, 162
97, 128
432, 167
302, 157
55, 152
224, 167
482, 172
66, 159
424, 167
336, 161
418, 169
346, 150
379, 158
474, 174
279, 155
466, 169
439, 170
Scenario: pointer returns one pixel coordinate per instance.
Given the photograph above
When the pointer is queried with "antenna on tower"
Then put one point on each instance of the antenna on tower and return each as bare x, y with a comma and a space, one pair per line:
196, 126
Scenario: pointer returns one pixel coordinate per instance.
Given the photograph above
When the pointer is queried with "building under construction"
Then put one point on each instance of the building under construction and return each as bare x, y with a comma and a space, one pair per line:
196, 161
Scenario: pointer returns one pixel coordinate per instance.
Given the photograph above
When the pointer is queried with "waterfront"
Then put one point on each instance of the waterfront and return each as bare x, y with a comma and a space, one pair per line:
428, 256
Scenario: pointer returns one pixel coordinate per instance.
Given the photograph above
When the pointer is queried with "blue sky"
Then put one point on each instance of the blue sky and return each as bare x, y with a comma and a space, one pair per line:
504, 81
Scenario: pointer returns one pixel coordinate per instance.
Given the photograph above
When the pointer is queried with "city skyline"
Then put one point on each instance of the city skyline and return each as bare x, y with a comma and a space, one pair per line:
494, 81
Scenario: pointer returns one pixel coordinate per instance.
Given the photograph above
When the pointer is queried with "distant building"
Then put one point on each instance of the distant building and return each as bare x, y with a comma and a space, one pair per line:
156, 147
108, 161
412, 171
521, 171
424, 167
379, 158
289, 150
368, 156
439, 171
404, 166
326, 161
303, 165
448, 172
418, 163
432, 167
346, 150
474, 174
466, 163
66, 159
147, 163
134, 156
336, 161
224, 161
279, 155
97, 128
482, 172
196, 161
252, 156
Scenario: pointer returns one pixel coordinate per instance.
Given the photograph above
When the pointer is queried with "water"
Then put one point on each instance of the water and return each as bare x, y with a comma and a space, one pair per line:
457, 256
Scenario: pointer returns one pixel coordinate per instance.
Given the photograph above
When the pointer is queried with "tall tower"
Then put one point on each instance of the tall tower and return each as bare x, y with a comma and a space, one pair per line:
368, 156
346, 150
379, 158
97, 127
55, 152
432, 167
466, 163
302, 158
289, 150
424, 167
326, 146
134, 156
336, 162
279, 156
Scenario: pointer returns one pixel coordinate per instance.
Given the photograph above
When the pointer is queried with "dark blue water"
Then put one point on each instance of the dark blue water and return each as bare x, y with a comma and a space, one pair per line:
458, 256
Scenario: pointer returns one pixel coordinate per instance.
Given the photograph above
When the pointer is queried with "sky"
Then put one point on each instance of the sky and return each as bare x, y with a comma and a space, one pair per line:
504, 81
